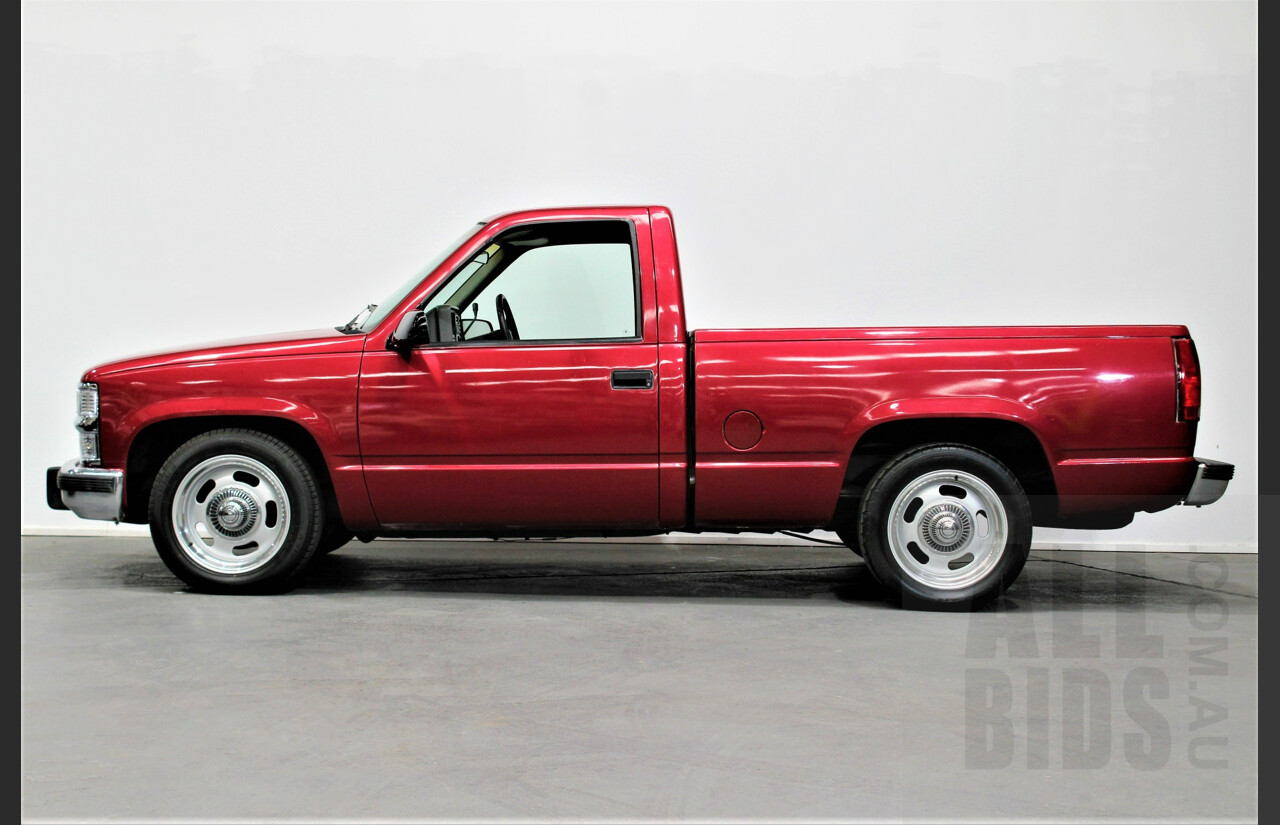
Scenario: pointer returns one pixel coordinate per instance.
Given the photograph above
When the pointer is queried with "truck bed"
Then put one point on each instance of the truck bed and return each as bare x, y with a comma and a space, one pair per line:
918, 333
1100, 402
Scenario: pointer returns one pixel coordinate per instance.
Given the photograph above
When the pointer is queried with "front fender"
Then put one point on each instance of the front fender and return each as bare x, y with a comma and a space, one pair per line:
314, 392
319, 426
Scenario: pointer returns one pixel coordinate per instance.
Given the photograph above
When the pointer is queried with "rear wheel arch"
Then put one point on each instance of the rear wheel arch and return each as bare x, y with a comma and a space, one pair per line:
1013, 443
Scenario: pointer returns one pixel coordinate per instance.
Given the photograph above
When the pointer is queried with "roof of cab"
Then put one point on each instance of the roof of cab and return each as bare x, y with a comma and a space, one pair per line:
571, 211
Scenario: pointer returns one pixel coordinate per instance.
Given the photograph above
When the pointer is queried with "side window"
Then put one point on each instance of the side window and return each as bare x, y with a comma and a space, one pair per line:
569, 291
563, 281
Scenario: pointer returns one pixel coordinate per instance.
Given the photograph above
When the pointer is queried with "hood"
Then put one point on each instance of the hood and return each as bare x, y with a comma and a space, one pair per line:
279, 345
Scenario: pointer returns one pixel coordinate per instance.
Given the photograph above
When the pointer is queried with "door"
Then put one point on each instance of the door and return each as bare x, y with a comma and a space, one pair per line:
545, 415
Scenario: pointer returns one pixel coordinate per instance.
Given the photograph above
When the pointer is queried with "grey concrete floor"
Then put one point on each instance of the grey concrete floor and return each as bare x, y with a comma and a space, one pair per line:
538, 680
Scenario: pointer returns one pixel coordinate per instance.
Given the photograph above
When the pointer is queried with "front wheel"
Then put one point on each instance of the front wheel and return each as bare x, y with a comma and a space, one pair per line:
236, 511
945, 526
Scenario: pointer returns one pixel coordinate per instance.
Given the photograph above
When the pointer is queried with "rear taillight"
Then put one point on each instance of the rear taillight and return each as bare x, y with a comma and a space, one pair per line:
1187, 366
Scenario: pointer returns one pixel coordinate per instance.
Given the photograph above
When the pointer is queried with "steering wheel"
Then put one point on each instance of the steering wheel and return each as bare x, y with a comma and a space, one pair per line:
506, 320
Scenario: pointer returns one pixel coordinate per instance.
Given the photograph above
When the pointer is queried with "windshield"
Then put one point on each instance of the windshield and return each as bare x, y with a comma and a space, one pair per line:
372, 315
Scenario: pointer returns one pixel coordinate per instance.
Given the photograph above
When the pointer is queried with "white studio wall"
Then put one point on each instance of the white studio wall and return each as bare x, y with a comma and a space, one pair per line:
200, 171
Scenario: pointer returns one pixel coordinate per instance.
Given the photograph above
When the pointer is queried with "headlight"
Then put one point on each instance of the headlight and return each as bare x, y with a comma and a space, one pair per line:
87, 423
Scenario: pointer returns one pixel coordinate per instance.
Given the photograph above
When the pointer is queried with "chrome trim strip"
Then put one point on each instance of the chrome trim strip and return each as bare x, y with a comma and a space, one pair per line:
91, 492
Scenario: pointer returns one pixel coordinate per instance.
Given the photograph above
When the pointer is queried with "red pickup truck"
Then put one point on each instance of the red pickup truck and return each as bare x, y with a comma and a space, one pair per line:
538, 380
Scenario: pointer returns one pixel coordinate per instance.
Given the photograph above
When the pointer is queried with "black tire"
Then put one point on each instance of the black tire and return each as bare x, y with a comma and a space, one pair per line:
916, 528
251, 482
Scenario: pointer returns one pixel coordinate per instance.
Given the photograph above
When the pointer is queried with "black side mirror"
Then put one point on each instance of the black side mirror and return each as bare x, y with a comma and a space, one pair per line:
442, 325
406, 331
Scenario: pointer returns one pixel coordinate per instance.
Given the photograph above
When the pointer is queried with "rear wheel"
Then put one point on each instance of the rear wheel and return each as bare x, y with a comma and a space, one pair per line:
236, 511
945, 526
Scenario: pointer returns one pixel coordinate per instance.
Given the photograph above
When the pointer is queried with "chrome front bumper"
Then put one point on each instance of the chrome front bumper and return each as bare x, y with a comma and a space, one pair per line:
1211, 482
89, 492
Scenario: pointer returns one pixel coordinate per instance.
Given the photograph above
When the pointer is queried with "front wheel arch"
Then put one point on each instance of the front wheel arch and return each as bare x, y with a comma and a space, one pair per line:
153, 445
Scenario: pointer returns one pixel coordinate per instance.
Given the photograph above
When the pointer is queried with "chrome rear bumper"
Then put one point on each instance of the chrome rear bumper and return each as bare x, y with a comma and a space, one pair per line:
1211, 482
89, 492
